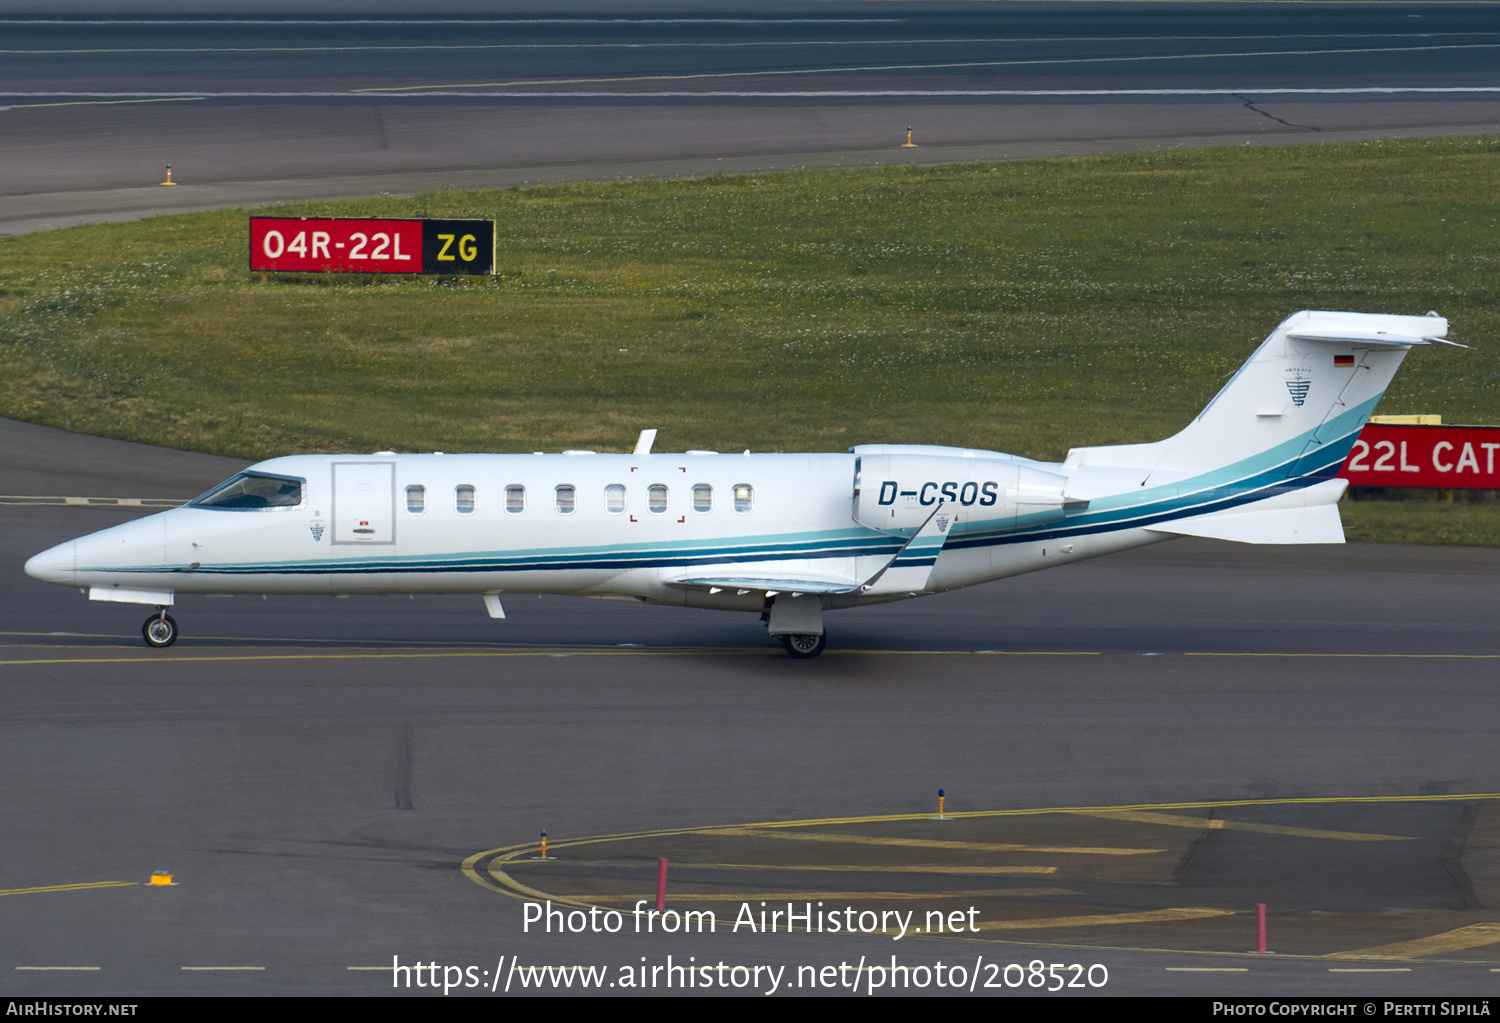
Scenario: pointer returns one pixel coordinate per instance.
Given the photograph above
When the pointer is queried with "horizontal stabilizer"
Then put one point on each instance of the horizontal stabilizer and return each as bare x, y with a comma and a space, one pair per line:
1305, 515
1370, 337
1287, 525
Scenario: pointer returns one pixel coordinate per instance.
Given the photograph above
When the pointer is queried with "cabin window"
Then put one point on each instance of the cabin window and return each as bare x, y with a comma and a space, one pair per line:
515, 499
703, 497
657, 498
416, 499
614, 498
463, 499
744, 497
567, 499
253, 490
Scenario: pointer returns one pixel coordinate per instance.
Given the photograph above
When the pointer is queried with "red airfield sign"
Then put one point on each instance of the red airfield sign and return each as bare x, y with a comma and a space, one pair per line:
336, 245
1425, 456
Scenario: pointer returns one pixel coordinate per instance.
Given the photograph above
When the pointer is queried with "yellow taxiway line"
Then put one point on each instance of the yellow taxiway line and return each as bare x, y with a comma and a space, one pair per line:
1216, 823
1472, 936
1465, 937
419, 653
1377, 657
1039, 811
924, 843
68, 887
163, 658
842, 868
813, 896
1106, 919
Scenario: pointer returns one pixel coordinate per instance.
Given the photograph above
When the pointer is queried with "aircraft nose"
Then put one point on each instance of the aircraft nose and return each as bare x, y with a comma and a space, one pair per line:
53, 566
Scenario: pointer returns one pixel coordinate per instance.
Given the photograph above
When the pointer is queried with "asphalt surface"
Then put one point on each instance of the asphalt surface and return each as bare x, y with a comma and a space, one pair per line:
1135, 751
277, 107
334, 783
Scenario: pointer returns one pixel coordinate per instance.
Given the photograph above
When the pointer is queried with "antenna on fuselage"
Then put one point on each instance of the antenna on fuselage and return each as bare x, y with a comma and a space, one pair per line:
644, 441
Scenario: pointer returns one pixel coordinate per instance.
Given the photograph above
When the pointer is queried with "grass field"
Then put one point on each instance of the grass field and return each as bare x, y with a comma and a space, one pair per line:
1458, 523
1027, 306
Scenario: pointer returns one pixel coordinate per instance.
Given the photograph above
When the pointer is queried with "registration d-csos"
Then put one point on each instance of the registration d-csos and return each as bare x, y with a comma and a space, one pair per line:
347, 245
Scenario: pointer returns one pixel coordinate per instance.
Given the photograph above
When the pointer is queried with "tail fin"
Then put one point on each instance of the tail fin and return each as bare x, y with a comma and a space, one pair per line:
1285, 422
1301, 399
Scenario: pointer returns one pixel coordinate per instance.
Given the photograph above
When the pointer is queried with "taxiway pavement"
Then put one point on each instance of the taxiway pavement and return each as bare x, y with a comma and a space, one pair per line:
317, 773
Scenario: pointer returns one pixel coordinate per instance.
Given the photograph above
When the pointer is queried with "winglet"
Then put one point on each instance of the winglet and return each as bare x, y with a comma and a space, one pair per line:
644, 442
911, 570
908, 572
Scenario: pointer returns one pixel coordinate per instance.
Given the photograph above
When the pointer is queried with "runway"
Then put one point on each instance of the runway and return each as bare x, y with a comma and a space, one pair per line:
334, 783
276, 107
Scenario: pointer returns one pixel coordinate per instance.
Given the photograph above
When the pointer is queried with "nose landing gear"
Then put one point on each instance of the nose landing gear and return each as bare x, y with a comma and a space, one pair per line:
160, 630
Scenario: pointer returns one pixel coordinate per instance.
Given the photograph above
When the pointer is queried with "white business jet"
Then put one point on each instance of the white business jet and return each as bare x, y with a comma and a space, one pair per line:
784, 536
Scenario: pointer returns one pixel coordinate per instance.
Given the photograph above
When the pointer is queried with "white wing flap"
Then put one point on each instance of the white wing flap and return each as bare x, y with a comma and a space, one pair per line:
772, 584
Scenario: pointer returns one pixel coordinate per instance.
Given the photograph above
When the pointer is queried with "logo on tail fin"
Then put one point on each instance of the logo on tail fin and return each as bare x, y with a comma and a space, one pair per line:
1298, 386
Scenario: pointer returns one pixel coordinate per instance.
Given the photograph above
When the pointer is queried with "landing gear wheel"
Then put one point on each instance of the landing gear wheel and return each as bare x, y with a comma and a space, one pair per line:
160, 630
804, 645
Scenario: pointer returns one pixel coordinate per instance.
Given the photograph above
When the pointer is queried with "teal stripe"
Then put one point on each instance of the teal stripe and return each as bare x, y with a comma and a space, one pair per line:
1243, 480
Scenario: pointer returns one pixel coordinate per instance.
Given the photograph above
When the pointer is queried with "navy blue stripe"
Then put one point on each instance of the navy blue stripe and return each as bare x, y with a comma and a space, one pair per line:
1255, 487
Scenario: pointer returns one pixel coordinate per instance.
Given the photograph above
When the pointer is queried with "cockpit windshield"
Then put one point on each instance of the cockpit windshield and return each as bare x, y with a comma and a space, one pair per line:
253, 490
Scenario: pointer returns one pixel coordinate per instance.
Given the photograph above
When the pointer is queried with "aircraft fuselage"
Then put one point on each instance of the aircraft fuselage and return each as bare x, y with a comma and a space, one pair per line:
789, 535
602, 525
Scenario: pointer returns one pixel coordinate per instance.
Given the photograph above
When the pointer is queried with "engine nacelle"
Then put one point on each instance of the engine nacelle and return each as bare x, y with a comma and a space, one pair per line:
897, 492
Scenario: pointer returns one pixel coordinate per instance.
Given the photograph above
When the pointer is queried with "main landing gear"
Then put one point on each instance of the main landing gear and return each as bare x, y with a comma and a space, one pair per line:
160, 630
804, 645
797, 620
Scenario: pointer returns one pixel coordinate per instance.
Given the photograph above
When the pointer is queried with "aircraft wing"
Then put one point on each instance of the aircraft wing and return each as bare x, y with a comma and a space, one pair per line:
771, 585
907, 572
